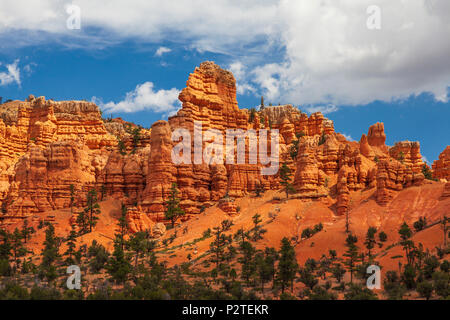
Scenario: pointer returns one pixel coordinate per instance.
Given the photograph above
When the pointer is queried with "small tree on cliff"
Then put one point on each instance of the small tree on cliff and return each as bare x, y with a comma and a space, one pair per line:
26, 231
351, 254
173, 210
17, 246
92, 209
119, 265
136, 135
71, 245
50, 255
370, 240
285, 176
287, 266
102, 192
72, 197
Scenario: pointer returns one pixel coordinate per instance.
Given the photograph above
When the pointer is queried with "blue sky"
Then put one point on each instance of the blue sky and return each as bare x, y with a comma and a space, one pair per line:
132, 60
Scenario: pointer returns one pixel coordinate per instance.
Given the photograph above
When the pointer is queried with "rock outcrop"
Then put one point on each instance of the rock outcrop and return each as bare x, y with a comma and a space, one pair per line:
138, 221
441, 167
46, 147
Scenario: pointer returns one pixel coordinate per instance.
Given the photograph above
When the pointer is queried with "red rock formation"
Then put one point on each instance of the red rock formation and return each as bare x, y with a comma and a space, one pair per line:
161, 170
393, 176
408, 153
441, 167
138, 220
376, 136
365, 148
446, 192
45, 146
228, 206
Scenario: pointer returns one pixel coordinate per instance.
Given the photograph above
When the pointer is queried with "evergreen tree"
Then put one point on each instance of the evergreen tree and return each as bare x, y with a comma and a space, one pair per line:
18, 250
322, 139
338, 272
72, 197
257, 231
425, 289
220, 242
248, 261
118, 265
173, 210
102, 192
50, 255
140, 245
71, 245
293, 150
262, 103
427, 173
92, 209
285, 176
82, 222
287, 265
26, 231
5, 245
382, 237
136, 138
307, 277
259, 189
408, 246
370, 240
98, 257
351, 254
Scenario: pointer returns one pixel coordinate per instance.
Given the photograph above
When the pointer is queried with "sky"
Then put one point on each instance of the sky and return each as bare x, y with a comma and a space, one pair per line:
358, 62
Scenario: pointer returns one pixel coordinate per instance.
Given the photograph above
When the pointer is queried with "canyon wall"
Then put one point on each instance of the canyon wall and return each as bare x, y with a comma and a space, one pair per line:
46, 147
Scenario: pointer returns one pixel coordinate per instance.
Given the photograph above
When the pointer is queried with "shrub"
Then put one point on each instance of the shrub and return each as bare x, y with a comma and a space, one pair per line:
420, 224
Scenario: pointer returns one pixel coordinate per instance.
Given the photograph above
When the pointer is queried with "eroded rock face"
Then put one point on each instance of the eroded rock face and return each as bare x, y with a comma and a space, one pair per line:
43, 177
393, 176
408, 152
376, 136
441, 167
161, 170
47, 146
228, 206
138, 221
446, 192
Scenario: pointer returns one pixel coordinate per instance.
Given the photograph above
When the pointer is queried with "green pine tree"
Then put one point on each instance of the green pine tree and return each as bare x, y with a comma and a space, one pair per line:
351, 254
173, 210
50, 255
92, 209
287, 265
285, 176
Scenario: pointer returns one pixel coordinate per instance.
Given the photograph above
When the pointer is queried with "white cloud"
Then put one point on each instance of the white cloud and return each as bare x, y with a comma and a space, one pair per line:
324, 109
239, 71
11, 75
322, 51
161, 51
348, 137
144, 97
424, 159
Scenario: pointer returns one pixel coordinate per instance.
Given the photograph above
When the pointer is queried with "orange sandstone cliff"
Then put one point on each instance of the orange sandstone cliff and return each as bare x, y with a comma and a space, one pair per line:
46, 147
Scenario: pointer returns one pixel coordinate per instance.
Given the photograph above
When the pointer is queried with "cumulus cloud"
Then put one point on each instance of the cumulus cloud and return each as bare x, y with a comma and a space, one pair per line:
161, 50
325, 52
239, 71
12, 74
144, 97
324, 109
348, 137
